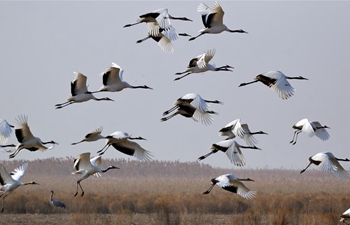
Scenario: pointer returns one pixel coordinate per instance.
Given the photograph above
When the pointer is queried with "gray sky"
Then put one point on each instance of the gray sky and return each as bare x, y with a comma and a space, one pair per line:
42, 43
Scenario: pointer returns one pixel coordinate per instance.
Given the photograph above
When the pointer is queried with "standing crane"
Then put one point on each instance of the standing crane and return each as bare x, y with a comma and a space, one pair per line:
56, 202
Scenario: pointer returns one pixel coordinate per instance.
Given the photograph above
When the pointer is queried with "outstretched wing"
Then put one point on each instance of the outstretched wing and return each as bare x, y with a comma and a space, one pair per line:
18, 173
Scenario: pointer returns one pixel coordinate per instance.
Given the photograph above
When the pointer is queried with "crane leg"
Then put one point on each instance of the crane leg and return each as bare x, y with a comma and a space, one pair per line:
82, 191
170, 110
103, 150
209, 190
205, 156
178, 78
169, 117
293, 136
296, 137
3, 202
192, 38
60, 106
305, 168
14, 154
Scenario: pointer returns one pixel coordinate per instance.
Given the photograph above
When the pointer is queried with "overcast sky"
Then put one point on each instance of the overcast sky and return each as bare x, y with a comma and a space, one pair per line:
42, 43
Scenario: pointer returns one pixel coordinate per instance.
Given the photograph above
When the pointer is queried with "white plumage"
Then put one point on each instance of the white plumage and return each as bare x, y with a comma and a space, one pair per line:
157, 19
311, 129
9, 182
236, 129
277, 81
212, 19
27, 140
193, 106
232, 149
80, 92
345, 217
230, 182
87, 167
5, 131
112, 79
121, 142
93, 136
329, 163
200, 64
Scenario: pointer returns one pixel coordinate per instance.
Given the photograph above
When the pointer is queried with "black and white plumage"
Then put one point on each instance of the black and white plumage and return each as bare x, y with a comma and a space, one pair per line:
27, 140
193, 106
10, 181
231, 183
87, 167
112, 80
121, 141
55, 202
311, 129
212, 19
80, 92
5, 131
329, 163
277, 81
93, 136
235, 128
164, 39
156, 19
200, 64
345, 217
232, 149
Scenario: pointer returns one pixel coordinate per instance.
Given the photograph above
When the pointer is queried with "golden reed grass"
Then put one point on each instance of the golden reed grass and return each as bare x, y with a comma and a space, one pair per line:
171, 193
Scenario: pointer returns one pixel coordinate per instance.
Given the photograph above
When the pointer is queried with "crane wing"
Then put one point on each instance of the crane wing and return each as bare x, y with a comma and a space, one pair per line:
308, 129
82, 161
235, 154
5, 131
19, 172
321, 133
282, 87
171, 34
97, 161
329, 164
112, 75
242, 190
247, 137
199, 103
23, 133
163, 19
78, 85
119, 135
133, 149
153, 28
5, 177
164, 43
